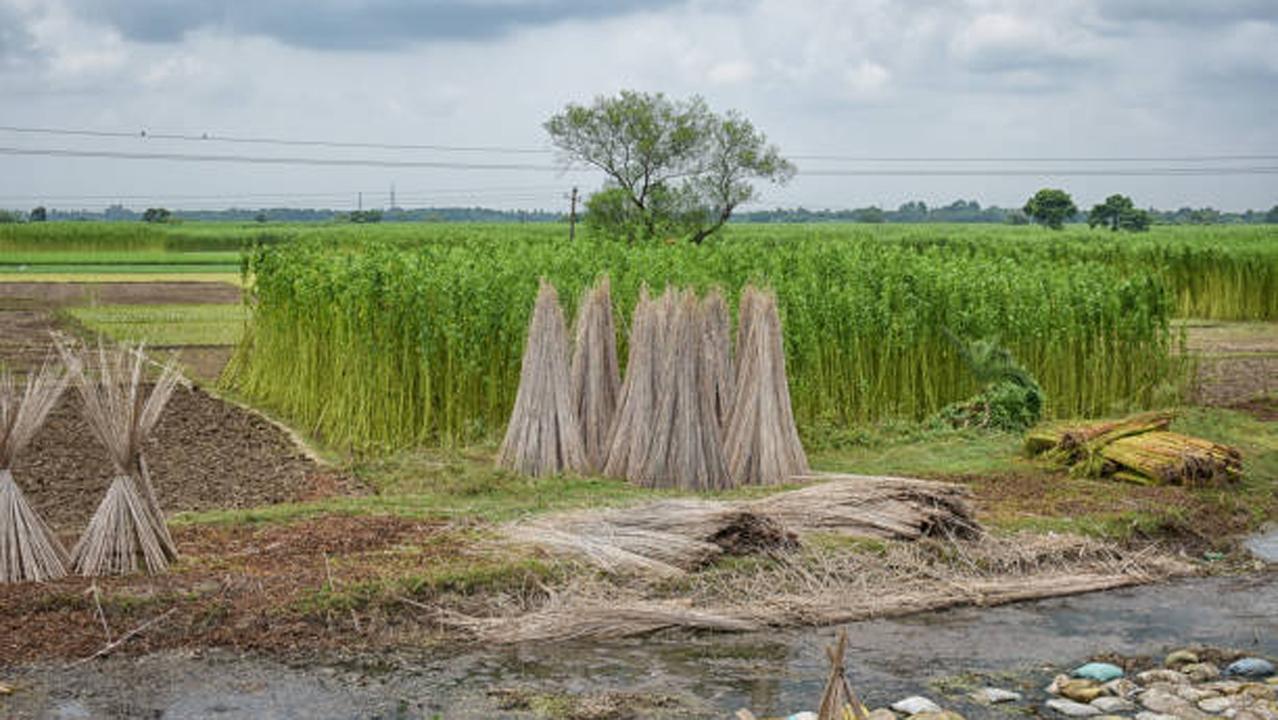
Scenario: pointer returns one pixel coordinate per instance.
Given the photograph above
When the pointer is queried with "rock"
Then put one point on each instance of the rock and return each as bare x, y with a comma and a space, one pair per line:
1055, 687
1194, 694
6, 689
1161, 701
1201, 672
881, 714
1216, 705
915, 705
1154, 716
1121, 687
1260, 691
1252, 667
1083, 691
1098, 671
991, 696
1110, 704
1071, 708
1150, 677
1180, 657
805, 715
943, 715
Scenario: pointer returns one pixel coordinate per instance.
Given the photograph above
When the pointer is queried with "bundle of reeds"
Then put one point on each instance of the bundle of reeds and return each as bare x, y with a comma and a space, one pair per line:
1068, 444
28, 549
762, 442
632, 429
128, 529
716, 342
596, 378
544, 435
1172, 458
686, 450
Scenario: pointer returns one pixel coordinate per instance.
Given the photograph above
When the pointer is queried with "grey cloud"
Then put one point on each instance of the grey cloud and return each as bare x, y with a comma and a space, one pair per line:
1188, 12
348, 24
16, 41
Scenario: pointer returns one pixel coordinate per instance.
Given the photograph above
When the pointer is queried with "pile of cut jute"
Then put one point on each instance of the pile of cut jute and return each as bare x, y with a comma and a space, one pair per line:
687, 415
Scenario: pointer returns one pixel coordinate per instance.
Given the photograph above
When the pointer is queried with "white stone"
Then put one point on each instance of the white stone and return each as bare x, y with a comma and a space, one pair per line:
1113, 704
1154, 716
805, 715
915, 705
1216, 705
1071, 708
992, 695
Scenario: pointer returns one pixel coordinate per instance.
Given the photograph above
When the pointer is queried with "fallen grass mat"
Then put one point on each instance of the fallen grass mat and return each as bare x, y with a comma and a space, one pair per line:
822, 585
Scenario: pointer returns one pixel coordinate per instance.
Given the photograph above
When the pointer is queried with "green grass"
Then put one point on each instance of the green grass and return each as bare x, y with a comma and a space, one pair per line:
165, 325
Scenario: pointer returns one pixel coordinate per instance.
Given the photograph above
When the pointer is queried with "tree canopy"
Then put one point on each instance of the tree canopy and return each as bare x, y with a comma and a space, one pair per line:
1118, 212
1051, 207
674, 167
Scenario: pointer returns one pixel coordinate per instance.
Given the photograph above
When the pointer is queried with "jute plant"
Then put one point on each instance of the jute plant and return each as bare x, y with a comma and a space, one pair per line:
720, 375
631, 431
128, 530
596, 378
29, 551
686, 450
762, 442
544, 435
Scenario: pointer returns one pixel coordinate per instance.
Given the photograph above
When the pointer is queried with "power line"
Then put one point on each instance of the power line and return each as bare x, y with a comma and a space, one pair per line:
451, 191
508, 149
851, 172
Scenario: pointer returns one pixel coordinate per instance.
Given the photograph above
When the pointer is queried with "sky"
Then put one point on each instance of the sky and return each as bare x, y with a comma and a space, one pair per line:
903, 95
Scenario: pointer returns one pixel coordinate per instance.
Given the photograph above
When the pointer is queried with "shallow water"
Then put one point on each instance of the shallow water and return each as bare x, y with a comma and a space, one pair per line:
1264, 545
710, 675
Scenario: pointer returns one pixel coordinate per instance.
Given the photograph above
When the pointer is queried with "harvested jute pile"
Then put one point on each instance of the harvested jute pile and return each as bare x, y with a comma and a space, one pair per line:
128, 530
544, 434
673, 537
595, 375
29, 551
1138, 449
761, 439
719, 378
632, 429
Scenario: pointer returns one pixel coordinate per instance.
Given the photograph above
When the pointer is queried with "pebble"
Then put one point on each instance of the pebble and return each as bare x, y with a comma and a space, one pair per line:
915, 705
881, 714
1201, 672
1098, 671
1255, 668
992, 695
1161, 701
1216, 705
1194, 694
943, 715
1154, 716
1170, 676
1113, 704
1083, 691
6, 689
1121, 687
805, 715
1071, 708
1181, 657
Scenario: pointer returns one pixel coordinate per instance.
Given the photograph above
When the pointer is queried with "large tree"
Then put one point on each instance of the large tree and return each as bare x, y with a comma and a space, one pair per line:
1118, 212
1051, 207
674, 167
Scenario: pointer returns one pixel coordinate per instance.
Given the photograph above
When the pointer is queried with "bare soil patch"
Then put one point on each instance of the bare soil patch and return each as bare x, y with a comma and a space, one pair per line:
1237, 362
206, 454
141, 293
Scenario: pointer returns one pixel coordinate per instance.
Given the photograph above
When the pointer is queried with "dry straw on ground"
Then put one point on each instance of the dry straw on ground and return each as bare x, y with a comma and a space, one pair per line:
595, 376
29, 551
128, 530
544, 434
762, 441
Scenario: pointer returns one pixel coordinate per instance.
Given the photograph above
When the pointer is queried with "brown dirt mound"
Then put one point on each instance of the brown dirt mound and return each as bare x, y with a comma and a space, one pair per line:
205, 454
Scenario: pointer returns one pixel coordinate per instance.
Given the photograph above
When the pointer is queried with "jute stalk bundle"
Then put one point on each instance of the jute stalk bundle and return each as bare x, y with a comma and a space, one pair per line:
1172, 458
596, 378
632, 431
127, 530
29, 551
762, 442
544, 435
686, 450
716, 342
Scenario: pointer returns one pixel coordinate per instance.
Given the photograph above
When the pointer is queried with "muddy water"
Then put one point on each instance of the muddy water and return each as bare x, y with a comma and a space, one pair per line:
707, 676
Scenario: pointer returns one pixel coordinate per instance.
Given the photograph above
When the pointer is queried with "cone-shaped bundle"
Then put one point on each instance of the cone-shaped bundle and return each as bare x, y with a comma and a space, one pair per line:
544, 436
720, 380
28, 550
596, 379
631, 432
129, 523
686, 450
762, 442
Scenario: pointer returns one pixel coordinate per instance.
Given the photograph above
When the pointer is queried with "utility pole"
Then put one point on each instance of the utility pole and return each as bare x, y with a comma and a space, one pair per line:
392, 207
360, 201
572, 216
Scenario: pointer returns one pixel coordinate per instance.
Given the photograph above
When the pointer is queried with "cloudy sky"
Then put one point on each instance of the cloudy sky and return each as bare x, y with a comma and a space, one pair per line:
874, 98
